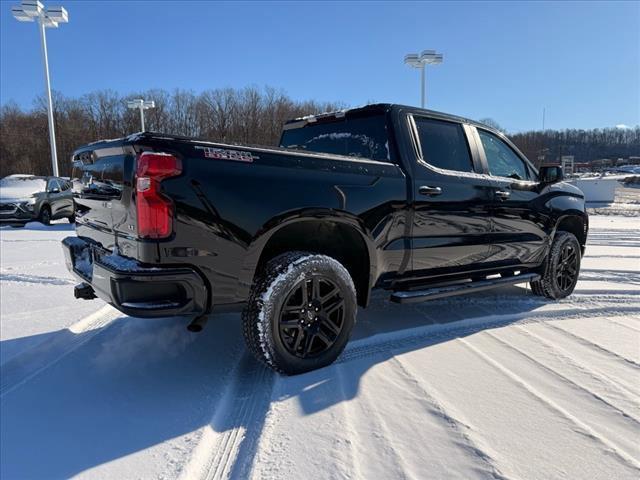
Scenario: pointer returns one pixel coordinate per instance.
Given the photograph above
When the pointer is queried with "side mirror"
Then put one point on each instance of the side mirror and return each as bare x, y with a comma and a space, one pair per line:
550, 174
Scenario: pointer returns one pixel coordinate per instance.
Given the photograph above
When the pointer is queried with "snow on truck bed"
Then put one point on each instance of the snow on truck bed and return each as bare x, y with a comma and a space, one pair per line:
500, 384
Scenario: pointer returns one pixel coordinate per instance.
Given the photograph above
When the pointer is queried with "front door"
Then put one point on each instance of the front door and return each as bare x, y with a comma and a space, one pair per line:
53, 194
451, 220
519, 223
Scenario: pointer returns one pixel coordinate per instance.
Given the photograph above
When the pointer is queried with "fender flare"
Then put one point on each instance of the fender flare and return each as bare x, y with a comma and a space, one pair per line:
256, 246
578, 214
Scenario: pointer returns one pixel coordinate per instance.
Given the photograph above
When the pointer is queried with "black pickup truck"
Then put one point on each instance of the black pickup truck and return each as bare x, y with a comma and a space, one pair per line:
420, 203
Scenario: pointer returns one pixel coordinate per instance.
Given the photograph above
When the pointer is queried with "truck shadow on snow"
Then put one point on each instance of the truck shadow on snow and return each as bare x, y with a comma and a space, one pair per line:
139, 383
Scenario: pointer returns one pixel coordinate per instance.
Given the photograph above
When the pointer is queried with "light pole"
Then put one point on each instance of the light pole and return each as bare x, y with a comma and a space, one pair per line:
30, 11
142, 105
427, 57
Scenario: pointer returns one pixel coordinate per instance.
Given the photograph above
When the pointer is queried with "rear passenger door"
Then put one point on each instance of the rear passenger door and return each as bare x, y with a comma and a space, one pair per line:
452, 198
519, 234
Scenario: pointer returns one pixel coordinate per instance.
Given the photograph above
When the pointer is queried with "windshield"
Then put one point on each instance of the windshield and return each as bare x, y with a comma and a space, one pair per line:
364, 137
21, 187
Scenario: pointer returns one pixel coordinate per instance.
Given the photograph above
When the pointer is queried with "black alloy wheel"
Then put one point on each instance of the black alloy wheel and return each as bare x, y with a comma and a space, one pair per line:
312, 317
567, 269
300, 313
560, 271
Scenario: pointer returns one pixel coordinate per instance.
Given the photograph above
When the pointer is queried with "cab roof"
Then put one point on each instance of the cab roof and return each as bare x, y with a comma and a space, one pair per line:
378, 108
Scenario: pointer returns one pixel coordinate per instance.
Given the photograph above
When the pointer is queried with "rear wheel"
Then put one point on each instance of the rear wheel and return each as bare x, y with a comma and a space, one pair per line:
45, 215
561, 268
300, 313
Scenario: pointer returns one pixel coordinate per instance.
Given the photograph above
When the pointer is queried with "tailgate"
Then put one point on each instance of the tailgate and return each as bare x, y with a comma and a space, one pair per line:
102, 179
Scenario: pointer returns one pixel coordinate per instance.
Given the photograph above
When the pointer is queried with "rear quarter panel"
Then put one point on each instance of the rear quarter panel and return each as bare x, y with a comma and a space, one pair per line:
226, 210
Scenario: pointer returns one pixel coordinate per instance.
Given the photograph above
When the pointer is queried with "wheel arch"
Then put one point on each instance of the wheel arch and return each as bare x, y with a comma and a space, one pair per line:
576, 223
42, 206
338, 236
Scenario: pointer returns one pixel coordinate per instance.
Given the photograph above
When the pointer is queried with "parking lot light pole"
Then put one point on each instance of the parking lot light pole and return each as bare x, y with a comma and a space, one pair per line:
30, 11
142, 105
427, 57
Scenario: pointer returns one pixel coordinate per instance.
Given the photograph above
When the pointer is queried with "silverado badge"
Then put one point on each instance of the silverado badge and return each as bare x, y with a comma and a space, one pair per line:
224, 154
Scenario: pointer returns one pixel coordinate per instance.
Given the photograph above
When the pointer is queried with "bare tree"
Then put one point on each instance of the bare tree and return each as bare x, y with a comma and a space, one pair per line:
251, 115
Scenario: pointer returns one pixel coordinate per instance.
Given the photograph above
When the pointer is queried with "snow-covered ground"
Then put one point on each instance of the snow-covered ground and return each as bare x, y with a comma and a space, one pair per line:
499, 384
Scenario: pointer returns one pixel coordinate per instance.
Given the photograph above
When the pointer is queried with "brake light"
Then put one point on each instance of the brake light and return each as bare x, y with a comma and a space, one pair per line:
155, 211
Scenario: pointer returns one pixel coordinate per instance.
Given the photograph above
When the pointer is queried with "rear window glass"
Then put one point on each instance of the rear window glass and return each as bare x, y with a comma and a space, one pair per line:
444, 144
364, 137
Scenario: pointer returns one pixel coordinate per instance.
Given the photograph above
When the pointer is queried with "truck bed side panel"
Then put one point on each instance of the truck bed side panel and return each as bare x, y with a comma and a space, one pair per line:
224, 208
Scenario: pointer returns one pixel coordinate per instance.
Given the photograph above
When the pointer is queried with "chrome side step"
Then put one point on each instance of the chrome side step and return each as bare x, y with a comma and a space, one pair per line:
415, 296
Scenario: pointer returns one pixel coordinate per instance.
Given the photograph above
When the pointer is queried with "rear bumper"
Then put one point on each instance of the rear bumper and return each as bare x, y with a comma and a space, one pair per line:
133, 288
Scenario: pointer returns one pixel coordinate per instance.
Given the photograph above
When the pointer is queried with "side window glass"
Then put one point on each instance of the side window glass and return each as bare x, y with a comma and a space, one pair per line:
501, 159
53, 184
444, 144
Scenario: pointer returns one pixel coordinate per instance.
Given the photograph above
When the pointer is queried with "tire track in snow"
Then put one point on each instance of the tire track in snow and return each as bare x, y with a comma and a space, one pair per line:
455, 424
227, 445
310, 430
604, 416
586, 429
592, 344
630, 327
589, 359
383, 452
508, 344
352, 451
388, 441
565, 359
38, 279
29, 363
431, 333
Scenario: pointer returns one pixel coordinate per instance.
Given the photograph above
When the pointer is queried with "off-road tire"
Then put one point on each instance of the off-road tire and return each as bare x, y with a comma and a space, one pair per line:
548, 285
45, 215
536, 288
262, 315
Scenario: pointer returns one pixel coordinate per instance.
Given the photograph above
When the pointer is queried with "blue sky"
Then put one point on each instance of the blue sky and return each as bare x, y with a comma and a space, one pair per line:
504, 60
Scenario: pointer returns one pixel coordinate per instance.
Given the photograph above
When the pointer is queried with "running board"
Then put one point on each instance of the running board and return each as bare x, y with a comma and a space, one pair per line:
416, 296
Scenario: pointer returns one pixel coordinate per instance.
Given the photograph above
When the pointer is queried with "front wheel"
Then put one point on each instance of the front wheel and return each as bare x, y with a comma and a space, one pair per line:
561, 268
300, 314
45, 215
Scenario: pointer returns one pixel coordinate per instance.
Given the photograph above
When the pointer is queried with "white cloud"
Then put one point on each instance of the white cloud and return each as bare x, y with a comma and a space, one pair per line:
622, 126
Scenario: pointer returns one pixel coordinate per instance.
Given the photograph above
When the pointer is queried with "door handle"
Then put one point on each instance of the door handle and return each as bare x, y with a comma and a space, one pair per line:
503, 194
429, 191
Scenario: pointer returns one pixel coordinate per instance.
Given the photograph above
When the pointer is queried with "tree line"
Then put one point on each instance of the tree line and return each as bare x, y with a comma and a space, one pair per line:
250, 115
585, 145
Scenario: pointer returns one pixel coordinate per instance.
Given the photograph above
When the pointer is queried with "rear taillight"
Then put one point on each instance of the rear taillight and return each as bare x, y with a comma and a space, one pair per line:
155, 211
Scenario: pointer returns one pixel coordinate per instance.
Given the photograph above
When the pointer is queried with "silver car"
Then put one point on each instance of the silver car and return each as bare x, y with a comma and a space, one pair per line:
25, 198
